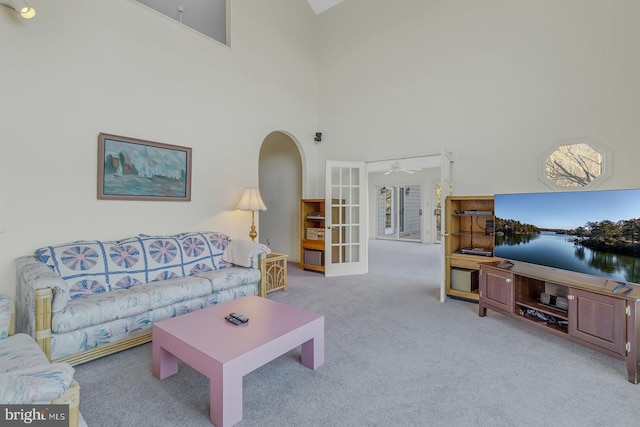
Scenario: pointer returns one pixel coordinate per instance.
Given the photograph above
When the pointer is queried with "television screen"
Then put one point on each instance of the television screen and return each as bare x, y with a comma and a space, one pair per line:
592, 232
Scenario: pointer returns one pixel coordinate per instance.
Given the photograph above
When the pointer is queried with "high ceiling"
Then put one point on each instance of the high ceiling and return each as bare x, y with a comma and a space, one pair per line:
320, 6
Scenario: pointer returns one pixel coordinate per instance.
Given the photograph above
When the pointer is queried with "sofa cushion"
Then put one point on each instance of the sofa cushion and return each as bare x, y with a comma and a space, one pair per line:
100, 308
231, 277
167, 292
94, 267
196, 251
18, 351
35, 384
82, 264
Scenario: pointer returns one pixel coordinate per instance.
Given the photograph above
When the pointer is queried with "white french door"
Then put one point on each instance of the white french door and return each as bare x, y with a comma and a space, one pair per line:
345, 213
445, 189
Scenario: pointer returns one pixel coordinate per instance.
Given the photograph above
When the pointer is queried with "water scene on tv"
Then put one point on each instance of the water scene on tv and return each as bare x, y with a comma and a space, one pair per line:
592, 232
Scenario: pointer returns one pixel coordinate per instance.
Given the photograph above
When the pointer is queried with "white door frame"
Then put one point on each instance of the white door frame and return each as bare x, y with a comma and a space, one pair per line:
446, 174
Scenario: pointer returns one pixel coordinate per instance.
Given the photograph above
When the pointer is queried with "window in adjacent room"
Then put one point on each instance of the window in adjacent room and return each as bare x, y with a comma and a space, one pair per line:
208, 17
574, 164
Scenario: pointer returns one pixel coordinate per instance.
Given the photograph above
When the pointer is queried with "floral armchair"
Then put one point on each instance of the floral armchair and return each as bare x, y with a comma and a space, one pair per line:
26, 375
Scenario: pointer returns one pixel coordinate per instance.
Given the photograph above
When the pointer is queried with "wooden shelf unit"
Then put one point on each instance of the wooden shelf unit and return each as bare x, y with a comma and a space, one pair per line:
468, 225
312, 216
595, 317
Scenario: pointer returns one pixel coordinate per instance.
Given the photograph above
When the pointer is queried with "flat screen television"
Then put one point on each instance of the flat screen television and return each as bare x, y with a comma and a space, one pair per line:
591, 232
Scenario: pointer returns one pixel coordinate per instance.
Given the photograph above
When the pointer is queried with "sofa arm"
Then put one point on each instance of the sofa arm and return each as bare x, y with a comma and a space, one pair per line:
39, 292
33, 274
6, 316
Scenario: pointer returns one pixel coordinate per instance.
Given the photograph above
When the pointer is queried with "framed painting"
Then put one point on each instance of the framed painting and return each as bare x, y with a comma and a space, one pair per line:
133, 169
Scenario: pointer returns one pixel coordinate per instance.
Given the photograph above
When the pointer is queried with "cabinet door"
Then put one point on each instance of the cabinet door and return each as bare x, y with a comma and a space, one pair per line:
496, 289
598, 319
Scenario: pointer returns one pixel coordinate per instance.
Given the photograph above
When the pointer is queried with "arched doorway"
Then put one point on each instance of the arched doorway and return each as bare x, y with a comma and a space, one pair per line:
280, 170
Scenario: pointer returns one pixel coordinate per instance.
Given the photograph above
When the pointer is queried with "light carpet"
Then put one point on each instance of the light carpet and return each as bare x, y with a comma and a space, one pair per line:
395, 356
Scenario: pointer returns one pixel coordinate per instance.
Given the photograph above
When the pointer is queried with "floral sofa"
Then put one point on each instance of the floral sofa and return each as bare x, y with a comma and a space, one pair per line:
27, 376
86, 299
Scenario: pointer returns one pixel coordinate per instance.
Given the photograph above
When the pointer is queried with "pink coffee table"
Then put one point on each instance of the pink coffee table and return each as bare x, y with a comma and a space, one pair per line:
225, 352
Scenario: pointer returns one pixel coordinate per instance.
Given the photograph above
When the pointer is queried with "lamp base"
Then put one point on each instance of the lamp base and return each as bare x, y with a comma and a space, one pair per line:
253, 233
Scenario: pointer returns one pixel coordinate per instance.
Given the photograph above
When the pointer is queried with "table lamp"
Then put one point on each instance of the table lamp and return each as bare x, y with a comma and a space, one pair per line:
251, 201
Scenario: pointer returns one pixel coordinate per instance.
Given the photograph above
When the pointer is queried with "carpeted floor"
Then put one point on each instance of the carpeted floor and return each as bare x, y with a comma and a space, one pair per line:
394, 356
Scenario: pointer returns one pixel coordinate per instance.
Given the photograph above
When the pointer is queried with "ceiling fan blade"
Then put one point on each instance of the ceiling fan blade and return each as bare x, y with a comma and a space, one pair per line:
397, 167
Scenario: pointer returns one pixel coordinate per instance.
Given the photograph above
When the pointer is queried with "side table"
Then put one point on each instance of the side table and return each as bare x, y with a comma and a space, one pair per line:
274, 266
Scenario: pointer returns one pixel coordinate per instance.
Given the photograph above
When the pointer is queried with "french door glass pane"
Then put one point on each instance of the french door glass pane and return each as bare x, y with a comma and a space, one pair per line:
345, 212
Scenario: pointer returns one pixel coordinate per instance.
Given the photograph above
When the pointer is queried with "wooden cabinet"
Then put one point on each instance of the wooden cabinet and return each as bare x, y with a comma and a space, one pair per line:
469, 228
496, 287
597, 319
578, 307
312, 229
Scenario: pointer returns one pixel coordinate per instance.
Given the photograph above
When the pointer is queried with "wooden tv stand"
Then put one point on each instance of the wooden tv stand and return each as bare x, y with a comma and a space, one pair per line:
595, 317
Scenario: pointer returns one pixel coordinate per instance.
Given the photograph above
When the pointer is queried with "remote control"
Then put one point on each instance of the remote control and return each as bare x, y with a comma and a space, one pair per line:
622, 286
233, 320
240, 317
505, 264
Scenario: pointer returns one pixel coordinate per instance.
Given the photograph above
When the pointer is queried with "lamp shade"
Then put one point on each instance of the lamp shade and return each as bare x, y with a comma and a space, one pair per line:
251, 200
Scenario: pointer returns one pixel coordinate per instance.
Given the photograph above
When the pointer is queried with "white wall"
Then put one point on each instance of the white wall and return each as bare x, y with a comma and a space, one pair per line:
81, 67
496, 82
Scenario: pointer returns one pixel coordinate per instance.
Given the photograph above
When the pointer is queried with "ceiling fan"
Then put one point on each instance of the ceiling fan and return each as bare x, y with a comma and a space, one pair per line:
397, 167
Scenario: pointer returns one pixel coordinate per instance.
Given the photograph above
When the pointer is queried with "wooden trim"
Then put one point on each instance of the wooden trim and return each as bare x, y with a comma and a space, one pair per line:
44, 298
12, 320
275, 272
262, 265
107, 349
71, 398
633, 355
